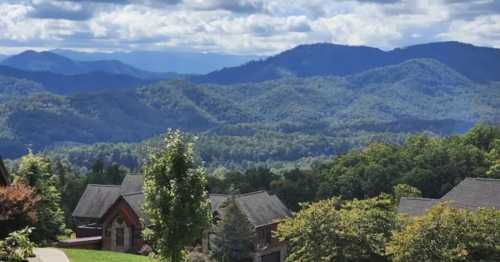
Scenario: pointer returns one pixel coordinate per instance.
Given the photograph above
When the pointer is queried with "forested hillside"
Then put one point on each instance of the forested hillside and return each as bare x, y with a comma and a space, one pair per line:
279, 120
477, 63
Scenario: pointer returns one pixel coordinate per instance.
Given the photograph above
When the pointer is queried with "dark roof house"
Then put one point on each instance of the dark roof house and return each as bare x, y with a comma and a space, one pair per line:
4, 176
117, 211
260, 207
471, 193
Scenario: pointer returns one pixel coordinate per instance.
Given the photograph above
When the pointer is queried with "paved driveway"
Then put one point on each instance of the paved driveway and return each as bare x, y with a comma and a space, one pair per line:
50, 255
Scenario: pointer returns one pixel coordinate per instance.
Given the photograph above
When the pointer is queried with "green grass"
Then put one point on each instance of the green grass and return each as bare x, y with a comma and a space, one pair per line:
81, 255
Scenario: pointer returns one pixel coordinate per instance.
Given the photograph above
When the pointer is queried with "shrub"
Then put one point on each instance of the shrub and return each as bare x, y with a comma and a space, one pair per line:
17, 246
17, 208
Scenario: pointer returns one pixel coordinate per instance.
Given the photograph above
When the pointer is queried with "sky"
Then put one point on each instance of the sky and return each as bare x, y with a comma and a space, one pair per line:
250, 27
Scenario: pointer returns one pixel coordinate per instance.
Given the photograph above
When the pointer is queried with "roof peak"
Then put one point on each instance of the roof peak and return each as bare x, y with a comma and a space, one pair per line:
253, 193
420, 198
100, 185
133, 193
483, 179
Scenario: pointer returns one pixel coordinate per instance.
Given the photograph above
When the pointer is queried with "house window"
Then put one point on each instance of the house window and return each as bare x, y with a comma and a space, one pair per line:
107, 232
120, 238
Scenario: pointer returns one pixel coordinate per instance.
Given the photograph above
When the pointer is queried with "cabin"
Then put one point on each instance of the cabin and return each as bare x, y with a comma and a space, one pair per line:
471, 193
263, 211
4, 176
110, 217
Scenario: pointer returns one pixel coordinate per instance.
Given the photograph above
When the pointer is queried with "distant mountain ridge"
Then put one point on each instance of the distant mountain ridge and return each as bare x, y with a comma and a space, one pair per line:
165, 61
416, 95
51, 62
480, 64
70, 84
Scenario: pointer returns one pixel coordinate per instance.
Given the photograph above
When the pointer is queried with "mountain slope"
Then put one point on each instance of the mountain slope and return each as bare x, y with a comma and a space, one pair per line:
68, 84
416, 95
480, 64
51, 62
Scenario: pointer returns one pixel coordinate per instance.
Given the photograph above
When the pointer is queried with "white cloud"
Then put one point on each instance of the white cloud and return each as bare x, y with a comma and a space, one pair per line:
483, 30
242, 26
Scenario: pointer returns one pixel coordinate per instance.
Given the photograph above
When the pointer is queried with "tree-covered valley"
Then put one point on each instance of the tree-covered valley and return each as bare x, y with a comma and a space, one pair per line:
279, 120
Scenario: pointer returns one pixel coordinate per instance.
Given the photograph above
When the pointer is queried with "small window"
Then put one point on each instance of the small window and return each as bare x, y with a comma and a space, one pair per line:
107, 233
120, 239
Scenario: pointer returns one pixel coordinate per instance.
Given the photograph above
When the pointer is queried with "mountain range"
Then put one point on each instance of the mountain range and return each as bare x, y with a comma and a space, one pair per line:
308, 112
162, 61
51, 62
477, 63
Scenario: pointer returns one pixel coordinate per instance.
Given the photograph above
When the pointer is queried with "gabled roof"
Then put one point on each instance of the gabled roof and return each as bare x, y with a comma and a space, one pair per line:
415, 206
473, 193
135, 201
132, 184
96, 200
4, 176
260, 207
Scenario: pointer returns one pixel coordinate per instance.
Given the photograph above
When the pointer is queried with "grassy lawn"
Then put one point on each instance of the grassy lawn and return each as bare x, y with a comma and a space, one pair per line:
81, 255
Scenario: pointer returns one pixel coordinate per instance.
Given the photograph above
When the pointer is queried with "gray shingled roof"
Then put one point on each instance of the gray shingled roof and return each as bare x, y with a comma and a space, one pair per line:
135, 200
132, 184
96, 200
415, 206
473, 193
260, 207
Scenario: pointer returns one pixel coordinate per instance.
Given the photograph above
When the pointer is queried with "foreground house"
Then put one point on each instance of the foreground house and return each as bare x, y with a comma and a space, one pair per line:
471, 193
110, 217
4, 176
264, 211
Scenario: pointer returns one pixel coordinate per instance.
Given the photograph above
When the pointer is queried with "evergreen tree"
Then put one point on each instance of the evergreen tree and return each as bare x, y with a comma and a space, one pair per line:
36, 172
234, 235
176, 198
96, 176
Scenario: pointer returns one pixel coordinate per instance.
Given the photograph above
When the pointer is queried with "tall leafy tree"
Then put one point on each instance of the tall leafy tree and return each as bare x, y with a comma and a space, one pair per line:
176, 198
234, 235
332, 230
296, 186
449, 234
35, 171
